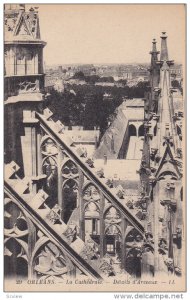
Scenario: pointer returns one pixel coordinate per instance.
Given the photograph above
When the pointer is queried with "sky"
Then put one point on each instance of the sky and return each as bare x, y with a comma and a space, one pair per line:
109, 33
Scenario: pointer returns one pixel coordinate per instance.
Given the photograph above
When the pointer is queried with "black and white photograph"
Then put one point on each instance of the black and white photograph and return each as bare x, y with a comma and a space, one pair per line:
94, 147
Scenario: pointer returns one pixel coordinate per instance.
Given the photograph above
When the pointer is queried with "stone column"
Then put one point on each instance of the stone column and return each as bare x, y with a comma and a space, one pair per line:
39, 154
81, 206
123, 243
31, 245
155, 218
102, 225
60, 161
29, 144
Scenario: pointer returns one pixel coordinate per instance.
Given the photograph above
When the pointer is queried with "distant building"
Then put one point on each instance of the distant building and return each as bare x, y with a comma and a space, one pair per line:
59, 85
60, 69
68, 214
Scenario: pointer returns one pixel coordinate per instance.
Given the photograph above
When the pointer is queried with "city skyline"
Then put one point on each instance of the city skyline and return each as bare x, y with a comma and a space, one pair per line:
83, 34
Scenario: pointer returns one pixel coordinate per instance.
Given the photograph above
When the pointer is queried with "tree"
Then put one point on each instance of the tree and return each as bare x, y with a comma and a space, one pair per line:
79, 75
87, 107
175, 84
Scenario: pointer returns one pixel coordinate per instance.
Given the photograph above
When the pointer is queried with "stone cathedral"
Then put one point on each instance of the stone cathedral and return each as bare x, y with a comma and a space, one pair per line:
65, 214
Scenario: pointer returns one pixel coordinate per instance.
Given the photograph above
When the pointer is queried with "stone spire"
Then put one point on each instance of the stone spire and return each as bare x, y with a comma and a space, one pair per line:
161, 167
166, 100
154, 65
164, 48
154, 53
154, 75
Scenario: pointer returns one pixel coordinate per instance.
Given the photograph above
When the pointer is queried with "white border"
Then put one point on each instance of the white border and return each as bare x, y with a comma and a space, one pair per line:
84, 296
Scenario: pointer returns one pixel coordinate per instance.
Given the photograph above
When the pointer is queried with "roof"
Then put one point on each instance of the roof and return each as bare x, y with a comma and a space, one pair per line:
79, 136
123, 169
134, 102
113, 138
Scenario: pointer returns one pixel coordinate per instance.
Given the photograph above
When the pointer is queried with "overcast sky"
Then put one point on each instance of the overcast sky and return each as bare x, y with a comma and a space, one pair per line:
109, 33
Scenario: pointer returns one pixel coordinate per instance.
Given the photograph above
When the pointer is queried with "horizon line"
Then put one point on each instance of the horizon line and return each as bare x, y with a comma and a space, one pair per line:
104, 63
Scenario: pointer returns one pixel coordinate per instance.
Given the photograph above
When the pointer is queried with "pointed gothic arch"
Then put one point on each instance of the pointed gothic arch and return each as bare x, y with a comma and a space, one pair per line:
49, 261
133, 263
113, 213
16, 241
69, 169
133, 242
113, 238
49, 152
91, 201
162, 175
69, 198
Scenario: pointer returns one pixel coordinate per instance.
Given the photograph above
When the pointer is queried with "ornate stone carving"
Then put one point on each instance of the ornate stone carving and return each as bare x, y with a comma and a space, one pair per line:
91, 208
50, 261
49, 165
53, 217
71, 233
28, 87
69, 170
170, 264
15, 243
89, 253
9, 21
134, 238
106, 267
91, 193
109, 183
113, 230
90, 162
15, 221
112, 216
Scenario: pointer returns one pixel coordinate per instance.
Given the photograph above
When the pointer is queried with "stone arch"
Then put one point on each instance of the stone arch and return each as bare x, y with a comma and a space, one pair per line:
133, 242
16, 232
112, 219
132, 235
141, 130
91, 207
48, 145
109, 208
69, 198
133, 263
113, 239
90, 192
167, 173
91, 201
49, 168
49, 160
113, 229
49, 261
69, 169
16, 260
132, 130
49, 152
